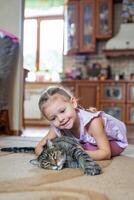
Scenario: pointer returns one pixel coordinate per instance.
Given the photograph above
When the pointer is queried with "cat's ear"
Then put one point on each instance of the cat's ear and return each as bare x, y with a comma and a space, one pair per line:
49, 144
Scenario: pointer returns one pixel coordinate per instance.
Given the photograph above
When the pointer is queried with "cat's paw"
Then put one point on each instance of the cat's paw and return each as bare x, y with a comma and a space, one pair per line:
96, 170
34, 162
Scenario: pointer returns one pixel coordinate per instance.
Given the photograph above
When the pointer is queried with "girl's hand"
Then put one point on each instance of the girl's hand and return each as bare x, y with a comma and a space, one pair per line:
39, 148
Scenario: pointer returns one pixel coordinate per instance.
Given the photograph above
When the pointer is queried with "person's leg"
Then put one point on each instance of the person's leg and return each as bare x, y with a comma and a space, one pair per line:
116, 150
89, 146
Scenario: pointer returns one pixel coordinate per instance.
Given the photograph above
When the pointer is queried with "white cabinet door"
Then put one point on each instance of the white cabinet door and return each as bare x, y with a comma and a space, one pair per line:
31, 109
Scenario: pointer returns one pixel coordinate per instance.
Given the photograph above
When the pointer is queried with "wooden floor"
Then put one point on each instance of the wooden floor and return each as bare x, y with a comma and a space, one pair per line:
41, 132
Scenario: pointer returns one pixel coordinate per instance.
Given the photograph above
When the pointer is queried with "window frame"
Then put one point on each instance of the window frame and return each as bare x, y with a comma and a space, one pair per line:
39, 19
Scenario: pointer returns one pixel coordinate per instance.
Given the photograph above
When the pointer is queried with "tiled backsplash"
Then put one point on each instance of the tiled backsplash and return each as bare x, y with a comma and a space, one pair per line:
119, 65
123, 65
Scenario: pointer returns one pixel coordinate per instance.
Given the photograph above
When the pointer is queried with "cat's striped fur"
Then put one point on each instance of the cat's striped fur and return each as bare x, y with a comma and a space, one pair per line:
62, 152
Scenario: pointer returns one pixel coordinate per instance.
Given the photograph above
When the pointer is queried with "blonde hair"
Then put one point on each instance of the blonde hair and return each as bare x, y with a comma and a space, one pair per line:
49, 92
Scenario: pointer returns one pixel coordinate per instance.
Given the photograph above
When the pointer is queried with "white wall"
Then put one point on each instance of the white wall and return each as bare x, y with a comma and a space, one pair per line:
11, 20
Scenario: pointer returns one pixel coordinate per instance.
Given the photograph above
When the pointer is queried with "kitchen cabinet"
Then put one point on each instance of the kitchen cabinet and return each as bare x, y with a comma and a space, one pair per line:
69, 85
130, 92
112, 92
87, 93
32, 114
71, 42
130, 114
104, 13
112, 98
87, 26
130, 103
79, 32
86, 21
117, 110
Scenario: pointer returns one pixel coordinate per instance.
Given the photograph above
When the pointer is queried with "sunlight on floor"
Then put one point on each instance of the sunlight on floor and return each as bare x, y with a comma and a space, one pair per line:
34, 132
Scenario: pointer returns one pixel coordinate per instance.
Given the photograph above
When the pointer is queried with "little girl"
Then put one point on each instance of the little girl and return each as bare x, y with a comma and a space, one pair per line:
101, 135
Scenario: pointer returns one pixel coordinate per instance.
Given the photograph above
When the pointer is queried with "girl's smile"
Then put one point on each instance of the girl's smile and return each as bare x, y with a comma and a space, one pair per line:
67, 124
60, 111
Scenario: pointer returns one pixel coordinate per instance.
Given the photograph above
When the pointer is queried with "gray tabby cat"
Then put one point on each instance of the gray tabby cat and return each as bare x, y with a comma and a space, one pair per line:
62, 152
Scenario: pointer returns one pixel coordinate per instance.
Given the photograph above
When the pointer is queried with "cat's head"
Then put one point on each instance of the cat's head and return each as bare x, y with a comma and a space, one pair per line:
52, 157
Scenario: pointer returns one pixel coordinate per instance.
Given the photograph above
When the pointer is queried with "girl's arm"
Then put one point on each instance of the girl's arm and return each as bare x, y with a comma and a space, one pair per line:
51, 134
97, 131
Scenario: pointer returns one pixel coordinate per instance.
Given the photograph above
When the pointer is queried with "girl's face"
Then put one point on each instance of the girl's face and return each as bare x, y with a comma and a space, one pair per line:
61, 112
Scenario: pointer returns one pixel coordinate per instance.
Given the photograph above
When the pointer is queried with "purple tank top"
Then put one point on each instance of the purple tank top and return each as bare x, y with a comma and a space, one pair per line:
114, 128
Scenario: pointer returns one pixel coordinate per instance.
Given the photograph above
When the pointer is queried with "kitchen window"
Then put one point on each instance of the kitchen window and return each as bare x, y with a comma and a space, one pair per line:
43, 45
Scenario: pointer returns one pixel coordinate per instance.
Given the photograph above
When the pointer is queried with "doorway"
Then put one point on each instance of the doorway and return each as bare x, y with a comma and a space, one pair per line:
43, 53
